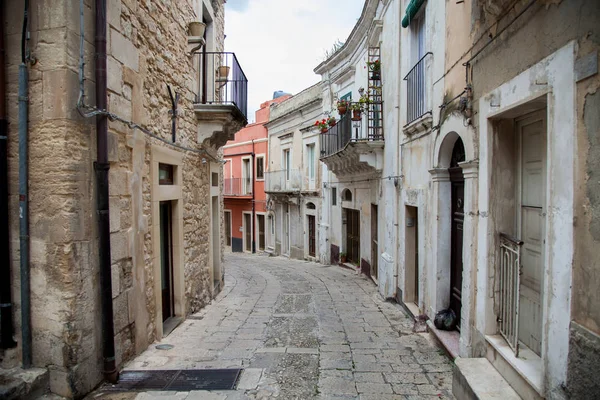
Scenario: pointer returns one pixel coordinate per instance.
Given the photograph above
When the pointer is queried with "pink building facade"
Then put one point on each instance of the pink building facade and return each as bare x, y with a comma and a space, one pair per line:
246, 159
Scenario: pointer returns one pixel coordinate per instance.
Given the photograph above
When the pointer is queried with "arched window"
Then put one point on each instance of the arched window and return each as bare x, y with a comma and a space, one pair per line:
311, 206
347, 195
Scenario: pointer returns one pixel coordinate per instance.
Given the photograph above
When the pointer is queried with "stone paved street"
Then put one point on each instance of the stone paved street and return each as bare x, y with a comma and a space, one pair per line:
302, 330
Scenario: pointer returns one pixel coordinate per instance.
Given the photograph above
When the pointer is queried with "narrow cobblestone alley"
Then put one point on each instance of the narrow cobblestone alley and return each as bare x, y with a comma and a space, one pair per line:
301, 330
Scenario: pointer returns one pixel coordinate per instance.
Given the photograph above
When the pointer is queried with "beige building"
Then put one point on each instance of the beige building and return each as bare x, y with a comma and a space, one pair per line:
173, 99
292, 180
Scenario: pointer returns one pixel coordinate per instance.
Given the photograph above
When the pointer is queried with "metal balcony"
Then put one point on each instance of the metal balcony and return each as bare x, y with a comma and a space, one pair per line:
222, 96
416, 91
283, 181
237, 187
346, 150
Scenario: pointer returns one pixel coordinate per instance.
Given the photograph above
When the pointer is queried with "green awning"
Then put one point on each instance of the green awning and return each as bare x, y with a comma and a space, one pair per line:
411, 10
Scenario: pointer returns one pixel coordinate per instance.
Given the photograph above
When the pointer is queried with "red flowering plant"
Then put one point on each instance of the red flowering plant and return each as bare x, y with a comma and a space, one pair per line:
331, 121
322, 125
374, 66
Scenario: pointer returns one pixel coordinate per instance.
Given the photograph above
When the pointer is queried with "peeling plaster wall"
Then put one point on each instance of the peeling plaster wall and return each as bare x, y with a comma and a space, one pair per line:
147, 45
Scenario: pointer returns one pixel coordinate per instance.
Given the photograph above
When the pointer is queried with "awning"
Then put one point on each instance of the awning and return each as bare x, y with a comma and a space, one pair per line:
411, 10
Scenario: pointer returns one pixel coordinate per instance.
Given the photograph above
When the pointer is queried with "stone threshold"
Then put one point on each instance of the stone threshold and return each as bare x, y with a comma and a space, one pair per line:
448, 339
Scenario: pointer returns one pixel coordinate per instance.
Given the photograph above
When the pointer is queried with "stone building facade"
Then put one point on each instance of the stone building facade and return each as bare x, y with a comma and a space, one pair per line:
485, 184
148, 54
292, 180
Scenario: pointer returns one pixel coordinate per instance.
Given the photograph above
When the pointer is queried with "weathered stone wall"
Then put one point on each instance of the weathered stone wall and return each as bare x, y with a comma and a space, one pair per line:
147, 50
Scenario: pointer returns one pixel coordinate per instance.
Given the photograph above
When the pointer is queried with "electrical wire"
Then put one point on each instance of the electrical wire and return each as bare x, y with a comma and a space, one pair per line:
88, 111
484, 34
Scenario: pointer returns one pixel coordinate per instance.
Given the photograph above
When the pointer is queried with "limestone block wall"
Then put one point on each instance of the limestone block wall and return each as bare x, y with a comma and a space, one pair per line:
147, 50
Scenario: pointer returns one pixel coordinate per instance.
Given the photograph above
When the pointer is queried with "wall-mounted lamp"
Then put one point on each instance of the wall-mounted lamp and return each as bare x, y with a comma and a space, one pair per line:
203, 160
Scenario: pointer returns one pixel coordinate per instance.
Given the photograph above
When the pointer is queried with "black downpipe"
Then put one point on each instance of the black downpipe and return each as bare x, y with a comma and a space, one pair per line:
24, 196
6, 318
102, 166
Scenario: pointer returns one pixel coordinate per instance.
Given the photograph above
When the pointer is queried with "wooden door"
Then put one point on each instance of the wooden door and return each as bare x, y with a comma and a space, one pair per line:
374, 242
166, 259
312, 239
457, 183
353, 236
261, 231
248, 232
228, 228
531, 220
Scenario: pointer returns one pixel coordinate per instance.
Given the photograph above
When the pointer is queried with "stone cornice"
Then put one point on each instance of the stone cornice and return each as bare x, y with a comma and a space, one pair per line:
356, 37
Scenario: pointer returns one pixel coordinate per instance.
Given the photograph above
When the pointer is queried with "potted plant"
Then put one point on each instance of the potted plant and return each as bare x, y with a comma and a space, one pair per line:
375, 68
196, 28
343, 257
223, 72
331, 121
322, 125
342, 106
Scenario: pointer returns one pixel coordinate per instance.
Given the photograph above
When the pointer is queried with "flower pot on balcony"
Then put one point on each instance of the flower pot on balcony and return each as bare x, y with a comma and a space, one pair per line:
376, 75
356, 115
196, 28
342, 110
223, 72
324, 130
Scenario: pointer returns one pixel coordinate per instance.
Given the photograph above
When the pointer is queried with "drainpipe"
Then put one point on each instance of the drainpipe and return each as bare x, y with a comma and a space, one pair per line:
101, 167
253, 198
24, 196
6, 319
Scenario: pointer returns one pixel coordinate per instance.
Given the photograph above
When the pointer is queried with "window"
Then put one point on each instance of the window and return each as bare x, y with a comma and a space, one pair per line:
215, 179
346, 195
260, 167
286, 163
165, 174
347, 96
334, 196
310, 160
246, 176
311, 206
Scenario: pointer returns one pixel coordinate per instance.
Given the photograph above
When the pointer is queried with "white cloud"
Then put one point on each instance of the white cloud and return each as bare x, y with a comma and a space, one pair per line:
279, 42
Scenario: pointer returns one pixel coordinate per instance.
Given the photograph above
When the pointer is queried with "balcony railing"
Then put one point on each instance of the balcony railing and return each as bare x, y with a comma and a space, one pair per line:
338, 136
416, 91
237, 187
222, 81
510, 279
289, 180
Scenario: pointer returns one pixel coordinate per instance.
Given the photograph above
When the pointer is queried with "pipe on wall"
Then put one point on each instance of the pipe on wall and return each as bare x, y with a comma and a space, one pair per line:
101, 167
24, 196
6, 318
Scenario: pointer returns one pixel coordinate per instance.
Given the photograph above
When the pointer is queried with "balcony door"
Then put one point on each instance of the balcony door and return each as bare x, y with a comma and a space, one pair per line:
531, 223
246, 176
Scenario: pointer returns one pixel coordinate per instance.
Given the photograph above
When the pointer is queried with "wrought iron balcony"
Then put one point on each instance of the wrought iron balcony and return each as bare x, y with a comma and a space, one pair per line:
222, 96
345, 148
416, 91
284, 181
237, 187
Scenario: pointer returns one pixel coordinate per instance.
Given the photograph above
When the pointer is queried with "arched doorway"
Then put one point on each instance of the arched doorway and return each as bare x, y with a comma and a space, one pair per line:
457, 184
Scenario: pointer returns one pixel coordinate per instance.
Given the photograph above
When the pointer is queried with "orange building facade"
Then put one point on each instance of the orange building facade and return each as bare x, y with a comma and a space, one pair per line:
246, 160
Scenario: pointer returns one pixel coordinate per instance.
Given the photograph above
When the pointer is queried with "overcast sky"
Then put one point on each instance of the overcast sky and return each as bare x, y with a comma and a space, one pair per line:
279, 42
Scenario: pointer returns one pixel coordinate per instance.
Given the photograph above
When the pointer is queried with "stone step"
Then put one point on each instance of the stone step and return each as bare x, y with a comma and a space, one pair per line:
17, 383
477, 379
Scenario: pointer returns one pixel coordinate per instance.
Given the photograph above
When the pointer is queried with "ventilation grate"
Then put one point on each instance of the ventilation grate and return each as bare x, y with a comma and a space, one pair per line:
177, 380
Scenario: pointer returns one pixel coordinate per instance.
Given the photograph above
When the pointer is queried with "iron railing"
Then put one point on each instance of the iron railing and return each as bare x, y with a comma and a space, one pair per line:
287, 180
509, 279
416, 91
338, 136
237, 187
222, 81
